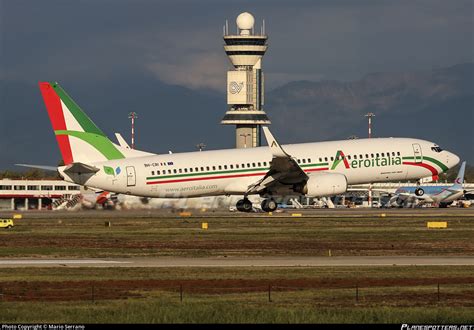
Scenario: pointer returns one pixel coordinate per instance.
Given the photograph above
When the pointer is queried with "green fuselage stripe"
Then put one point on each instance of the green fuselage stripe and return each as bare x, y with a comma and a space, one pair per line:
433, 160
222, 172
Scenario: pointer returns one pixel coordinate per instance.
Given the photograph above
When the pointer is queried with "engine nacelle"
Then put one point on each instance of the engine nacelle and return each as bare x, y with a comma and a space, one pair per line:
325, 184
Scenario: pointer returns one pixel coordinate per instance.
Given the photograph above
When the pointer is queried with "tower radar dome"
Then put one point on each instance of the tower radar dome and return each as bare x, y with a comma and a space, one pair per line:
245, 21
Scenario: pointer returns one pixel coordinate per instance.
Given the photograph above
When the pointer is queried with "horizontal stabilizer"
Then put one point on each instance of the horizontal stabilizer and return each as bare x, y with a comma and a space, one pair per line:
80, 168
41, 167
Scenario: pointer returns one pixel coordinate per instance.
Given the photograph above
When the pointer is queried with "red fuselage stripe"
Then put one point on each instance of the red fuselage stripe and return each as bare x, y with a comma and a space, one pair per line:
428, 167
223, 177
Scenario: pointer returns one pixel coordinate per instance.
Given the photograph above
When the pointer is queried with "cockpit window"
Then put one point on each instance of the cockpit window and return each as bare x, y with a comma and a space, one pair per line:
436, 149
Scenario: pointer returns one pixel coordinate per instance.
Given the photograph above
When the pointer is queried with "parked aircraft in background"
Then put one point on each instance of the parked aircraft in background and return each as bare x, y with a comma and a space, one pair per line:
441, 195
311, 169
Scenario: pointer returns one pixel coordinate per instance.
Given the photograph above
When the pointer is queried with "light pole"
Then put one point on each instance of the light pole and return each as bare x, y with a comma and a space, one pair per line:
200, 146
245, 138
369, 116
133, 115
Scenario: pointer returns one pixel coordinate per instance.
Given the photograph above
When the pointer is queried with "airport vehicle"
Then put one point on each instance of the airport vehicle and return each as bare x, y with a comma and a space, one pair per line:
6, 223
312, 169
441, 195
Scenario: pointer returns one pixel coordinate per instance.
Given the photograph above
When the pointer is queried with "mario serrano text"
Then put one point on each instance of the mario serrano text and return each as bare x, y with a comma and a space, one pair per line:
42, 327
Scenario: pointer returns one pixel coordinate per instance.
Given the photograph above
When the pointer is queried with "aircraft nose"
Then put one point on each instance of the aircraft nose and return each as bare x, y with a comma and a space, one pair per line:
453, 160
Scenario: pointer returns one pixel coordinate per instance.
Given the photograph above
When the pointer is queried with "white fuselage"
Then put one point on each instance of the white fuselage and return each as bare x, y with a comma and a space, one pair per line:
231, 171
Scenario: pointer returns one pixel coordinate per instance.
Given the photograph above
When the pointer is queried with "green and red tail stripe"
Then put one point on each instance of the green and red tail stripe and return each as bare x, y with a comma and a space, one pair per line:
56, 116
78, 137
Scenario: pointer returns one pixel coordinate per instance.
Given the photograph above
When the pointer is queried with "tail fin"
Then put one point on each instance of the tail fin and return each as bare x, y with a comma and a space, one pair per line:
460, 178
79, 139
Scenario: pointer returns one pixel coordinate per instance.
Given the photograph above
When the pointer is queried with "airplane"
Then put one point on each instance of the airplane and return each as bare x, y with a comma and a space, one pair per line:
441, 195
312, 169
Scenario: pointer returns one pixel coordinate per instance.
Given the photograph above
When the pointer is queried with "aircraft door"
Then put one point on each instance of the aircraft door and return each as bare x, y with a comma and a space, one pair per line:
417, 152
131, 179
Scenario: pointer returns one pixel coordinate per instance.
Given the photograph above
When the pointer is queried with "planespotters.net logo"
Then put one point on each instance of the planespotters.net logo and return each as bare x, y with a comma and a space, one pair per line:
437, 327
366, 162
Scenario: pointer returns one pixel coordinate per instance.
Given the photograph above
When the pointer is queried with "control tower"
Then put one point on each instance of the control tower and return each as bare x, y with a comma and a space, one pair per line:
245, 83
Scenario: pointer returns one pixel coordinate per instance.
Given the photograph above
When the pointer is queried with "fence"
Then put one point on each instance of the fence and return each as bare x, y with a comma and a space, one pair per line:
428, 293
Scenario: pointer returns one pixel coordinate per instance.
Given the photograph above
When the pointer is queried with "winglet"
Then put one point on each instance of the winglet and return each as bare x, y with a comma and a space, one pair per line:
275, 147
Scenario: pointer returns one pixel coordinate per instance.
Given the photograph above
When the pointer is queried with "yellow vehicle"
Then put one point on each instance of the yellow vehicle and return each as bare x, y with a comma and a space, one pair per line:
6, 223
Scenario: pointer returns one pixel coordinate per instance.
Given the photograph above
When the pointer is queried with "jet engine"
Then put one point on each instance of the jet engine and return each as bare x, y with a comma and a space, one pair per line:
325, 184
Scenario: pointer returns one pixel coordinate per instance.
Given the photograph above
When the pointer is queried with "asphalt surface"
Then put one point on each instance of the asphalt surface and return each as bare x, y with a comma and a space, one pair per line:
222, 213
167, 262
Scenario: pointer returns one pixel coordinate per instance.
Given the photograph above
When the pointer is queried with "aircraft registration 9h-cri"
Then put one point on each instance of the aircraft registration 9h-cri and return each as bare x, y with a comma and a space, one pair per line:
312, 169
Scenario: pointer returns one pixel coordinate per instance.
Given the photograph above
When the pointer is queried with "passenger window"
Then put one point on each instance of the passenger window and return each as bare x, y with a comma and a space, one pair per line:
378, 155
304, 161
157, 172
398, 153
236, 165
174, 171
259, 164
383, 154
309, 160
355, 156
332, 158
213, 168
231, 166
264, 163
253, 164
207, 168
152, 172
185, 170
349, 157
325, 159
220, 167
248, 165
366, 156
320, 159
180, 170
225, 167
202, 169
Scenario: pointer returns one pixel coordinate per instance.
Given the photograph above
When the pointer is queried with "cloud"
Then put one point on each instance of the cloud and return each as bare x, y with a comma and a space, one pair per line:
202, 70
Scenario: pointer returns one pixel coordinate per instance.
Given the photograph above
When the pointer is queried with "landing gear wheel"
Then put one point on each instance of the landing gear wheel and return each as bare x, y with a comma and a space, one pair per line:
269, 205
244, 205
419, 192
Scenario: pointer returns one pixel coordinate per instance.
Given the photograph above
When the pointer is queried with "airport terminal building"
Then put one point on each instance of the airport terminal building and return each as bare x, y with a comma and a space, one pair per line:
37, 194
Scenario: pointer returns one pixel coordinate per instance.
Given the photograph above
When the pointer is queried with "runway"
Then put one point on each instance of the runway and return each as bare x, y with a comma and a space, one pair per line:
170, 262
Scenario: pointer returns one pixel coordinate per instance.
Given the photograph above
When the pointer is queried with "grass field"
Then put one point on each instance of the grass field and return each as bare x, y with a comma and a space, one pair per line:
390, 294
221, 295
232, 236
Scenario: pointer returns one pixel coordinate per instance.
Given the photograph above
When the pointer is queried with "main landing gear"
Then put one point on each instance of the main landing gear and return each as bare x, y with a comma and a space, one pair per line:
245, 205
269, 205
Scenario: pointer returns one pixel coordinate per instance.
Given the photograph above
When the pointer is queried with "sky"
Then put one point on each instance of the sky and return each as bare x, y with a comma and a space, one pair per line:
89, 43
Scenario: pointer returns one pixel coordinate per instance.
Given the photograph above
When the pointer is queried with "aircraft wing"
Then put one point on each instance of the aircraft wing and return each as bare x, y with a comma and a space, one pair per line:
284, 170
41, 167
